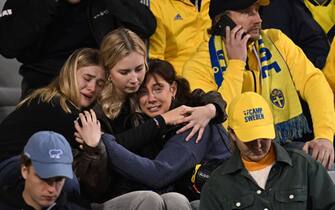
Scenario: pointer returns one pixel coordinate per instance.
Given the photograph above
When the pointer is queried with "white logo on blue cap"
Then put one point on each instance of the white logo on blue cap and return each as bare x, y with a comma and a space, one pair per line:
55, 153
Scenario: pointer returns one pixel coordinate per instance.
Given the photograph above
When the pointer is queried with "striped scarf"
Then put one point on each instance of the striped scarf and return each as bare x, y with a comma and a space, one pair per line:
277, 86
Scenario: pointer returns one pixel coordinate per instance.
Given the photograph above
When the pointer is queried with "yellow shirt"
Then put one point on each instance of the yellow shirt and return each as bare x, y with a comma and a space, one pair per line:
308, 80
329, 68
180, 30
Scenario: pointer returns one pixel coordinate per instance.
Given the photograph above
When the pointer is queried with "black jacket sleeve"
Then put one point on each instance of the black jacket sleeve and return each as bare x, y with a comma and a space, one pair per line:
23, 23
134, 139
90, 166
149, 130
331, 34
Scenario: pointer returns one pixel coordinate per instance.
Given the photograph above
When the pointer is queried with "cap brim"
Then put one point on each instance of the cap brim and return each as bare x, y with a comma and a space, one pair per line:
259, 132
49, 170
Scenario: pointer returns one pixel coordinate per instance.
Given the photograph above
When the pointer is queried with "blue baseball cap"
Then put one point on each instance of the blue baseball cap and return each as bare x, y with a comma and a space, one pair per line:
50, 154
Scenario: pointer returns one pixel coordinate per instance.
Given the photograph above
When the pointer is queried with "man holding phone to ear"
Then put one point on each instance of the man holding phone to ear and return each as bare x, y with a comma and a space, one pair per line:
247, 58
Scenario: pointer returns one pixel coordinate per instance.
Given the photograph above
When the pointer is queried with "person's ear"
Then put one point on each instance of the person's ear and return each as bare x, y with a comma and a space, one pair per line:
24, 171
232, 134
173, 88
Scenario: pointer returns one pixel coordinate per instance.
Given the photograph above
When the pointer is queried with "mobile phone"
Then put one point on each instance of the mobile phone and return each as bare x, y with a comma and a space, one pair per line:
220, 27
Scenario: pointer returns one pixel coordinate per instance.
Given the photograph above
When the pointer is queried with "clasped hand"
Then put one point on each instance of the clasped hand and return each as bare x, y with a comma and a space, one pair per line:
195, 118
89, 132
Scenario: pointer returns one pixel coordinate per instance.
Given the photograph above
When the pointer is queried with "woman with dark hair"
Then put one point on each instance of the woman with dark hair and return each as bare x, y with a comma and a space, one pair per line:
169, 158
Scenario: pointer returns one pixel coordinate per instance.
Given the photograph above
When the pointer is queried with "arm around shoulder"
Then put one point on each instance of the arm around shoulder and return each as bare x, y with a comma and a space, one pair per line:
329, 69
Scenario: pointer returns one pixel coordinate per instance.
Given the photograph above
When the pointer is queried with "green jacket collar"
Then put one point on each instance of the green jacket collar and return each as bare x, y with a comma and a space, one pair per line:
235, 164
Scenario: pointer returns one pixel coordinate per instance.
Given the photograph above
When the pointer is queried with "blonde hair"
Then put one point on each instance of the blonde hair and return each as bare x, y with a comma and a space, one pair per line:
116, 45
65, 86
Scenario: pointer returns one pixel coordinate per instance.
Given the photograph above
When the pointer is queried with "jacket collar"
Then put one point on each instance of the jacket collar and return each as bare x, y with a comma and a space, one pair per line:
235, 164
12, 196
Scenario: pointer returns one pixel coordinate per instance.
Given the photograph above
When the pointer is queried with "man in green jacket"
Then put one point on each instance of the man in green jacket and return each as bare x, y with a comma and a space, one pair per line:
261, 174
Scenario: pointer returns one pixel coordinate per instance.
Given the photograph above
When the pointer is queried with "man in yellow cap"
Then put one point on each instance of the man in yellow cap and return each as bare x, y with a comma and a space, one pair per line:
261, 174
235, 59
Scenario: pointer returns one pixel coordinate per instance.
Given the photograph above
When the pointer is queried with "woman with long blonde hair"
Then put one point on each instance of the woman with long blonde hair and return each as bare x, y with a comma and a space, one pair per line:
56, 106
124, 55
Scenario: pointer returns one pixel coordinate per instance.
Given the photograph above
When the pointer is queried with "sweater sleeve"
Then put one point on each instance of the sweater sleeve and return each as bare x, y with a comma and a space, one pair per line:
197, 70
23, 23
329, 69
176, 158
311, 86
90, 167
233, 80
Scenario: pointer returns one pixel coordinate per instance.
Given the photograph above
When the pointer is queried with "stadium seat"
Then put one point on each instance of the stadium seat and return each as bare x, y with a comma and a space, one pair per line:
10, 90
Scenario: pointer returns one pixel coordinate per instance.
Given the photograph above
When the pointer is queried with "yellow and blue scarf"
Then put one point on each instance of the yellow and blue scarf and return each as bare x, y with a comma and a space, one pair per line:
277, 86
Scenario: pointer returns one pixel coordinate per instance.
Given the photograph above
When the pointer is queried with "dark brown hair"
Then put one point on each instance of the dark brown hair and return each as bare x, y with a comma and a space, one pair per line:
25, 160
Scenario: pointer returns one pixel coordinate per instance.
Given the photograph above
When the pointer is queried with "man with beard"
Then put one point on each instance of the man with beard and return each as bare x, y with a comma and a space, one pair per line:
269, 63
261, 174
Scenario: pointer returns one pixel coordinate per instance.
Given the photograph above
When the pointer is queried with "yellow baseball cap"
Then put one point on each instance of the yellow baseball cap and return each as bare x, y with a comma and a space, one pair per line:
250, 117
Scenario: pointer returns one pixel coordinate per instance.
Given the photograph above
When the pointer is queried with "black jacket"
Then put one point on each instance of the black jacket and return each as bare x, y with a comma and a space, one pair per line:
26, 120
12, 185
294, 19
41, 34
11, 199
